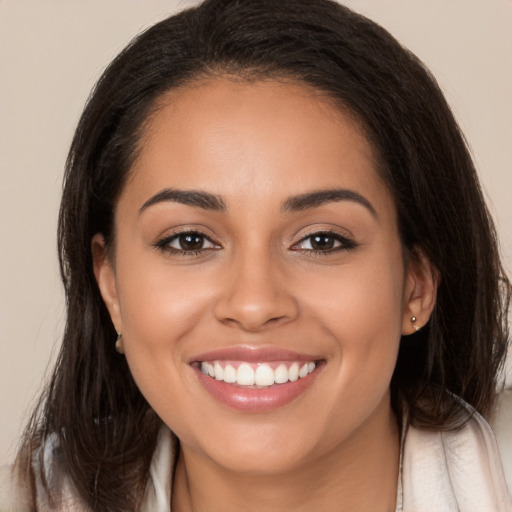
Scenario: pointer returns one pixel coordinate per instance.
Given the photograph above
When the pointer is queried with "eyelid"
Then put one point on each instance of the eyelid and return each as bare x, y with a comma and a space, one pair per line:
345, 242
163, 242
175, 237
182, 229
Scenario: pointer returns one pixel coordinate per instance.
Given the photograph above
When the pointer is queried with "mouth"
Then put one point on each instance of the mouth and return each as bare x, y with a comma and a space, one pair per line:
255, 380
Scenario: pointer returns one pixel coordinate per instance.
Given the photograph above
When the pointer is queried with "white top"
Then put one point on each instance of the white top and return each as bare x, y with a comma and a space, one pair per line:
457, 471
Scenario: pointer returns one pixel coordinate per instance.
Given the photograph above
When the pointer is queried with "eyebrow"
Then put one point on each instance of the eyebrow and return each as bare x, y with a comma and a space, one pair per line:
196, 198
208, 201
321, 197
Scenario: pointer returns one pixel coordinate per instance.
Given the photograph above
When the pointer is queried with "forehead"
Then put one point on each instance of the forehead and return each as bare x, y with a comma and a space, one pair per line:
223, 134
206, 104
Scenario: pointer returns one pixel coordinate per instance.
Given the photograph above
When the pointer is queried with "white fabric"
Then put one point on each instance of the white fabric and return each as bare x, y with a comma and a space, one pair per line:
501, 423
158, 493
439, 472
453, 471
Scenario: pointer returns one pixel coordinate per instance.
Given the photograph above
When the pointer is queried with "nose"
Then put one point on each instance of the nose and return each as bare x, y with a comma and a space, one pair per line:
256, 294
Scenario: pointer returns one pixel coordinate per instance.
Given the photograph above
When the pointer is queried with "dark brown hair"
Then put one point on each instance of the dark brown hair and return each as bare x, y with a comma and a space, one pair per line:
106, 430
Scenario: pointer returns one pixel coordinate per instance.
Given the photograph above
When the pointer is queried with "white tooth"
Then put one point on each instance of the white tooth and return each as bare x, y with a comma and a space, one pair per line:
293, 372
281, 374
303, 371
264, 375
245, 375
211, 371
311, 367
229, 374
219, 372
204, 368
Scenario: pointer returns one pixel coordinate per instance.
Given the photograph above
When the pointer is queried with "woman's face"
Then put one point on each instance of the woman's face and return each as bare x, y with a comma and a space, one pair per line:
255, 241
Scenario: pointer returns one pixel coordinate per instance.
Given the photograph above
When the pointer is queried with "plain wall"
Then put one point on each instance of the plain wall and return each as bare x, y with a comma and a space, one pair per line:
52, 52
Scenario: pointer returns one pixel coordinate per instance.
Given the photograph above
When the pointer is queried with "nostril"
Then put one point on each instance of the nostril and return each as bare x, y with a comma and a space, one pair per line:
252, 322
252, 318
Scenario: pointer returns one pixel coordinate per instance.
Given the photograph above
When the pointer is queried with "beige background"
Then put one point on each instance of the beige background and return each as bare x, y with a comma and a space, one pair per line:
51, 53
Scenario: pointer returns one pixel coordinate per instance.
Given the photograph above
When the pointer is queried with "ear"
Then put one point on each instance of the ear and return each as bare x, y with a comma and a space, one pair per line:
422, 280
106, 278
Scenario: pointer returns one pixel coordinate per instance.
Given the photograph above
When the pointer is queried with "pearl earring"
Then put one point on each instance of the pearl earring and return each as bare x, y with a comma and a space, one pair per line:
413, 319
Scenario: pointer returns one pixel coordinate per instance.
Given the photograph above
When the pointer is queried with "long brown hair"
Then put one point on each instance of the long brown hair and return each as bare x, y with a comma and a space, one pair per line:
106, 430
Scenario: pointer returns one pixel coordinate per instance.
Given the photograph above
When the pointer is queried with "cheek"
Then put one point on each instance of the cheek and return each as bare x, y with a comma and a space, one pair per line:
361, 299
161, 308
160, 312
361, 308
159, 303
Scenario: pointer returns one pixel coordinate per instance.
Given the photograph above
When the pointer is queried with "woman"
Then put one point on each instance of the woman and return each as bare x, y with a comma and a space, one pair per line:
267, 251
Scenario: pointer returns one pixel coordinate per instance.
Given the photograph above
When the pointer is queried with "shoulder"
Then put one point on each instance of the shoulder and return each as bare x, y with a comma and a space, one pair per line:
12, 495
20, 493
14, 492
501, 423
457, 470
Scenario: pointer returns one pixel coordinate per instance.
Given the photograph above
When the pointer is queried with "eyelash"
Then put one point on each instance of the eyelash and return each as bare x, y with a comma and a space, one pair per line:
345, 243
164, 244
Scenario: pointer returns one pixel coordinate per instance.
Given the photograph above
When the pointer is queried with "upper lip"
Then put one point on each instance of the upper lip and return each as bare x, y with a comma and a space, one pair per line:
254, 355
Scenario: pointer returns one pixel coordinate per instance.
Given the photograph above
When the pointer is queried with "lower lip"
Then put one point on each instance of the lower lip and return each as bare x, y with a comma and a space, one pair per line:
256, 400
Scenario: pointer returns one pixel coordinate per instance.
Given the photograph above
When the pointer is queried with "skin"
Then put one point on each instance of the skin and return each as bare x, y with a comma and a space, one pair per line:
257, 283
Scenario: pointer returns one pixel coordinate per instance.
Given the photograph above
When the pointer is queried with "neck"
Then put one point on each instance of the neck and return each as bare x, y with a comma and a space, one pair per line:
360, 474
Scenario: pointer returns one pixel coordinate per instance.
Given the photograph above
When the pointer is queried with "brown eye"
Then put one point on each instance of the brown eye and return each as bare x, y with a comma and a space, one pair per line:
186, 243
322, 242
191, 241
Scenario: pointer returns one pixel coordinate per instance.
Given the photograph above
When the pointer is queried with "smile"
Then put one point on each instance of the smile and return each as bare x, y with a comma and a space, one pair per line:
257, 375
256, 380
